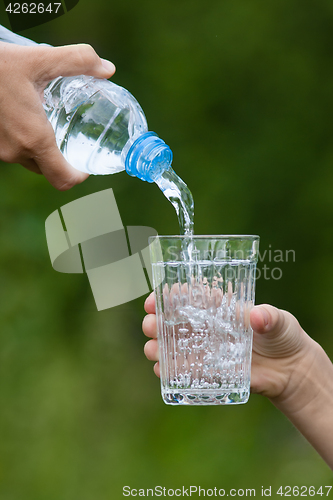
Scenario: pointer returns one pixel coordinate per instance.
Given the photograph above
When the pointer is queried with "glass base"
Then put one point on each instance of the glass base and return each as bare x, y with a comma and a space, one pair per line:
205, 397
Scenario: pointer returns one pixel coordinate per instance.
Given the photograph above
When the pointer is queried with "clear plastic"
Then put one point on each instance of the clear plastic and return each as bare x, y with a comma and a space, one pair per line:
95, 122
99, 126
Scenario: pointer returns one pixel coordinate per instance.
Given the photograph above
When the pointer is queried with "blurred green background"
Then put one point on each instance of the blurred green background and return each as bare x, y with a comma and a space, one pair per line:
242, 93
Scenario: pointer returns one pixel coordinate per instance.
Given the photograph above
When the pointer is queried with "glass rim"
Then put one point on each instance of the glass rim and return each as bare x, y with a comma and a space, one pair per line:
207, 237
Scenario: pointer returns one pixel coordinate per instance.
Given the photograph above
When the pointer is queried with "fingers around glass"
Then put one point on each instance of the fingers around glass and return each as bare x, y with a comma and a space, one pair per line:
149, 326
151, 350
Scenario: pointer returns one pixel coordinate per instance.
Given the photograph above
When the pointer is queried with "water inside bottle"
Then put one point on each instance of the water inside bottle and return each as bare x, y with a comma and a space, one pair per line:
179, 195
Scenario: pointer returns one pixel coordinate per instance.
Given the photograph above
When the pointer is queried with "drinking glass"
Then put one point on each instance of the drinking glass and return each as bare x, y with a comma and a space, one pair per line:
204, 289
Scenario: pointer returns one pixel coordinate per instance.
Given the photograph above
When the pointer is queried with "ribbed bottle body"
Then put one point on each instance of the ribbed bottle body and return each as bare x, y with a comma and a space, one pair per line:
95, 122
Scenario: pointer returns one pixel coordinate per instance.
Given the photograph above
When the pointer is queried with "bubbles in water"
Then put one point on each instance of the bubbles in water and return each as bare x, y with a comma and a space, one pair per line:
209, 346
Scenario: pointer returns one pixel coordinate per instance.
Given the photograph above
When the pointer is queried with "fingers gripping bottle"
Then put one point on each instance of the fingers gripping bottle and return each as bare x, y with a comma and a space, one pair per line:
100, 127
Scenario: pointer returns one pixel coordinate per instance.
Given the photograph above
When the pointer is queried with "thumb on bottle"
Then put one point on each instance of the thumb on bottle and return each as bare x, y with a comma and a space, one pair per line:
71, 60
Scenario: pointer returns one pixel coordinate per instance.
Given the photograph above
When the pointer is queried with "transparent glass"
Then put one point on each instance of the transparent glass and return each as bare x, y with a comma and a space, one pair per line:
204, 288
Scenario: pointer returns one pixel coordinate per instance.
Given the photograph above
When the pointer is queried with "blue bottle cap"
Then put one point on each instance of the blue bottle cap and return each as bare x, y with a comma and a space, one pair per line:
148, 157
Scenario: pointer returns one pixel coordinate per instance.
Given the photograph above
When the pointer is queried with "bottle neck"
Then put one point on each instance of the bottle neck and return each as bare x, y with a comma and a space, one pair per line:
148, 157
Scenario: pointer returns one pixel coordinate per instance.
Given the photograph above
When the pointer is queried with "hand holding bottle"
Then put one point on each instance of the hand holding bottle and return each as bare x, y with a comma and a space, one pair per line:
26, 135
288, 367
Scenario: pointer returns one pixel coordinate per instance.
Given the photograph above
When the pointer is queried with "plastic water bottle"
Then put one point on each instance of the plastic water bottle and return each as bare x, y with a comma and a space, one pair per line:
99, 126
101, 129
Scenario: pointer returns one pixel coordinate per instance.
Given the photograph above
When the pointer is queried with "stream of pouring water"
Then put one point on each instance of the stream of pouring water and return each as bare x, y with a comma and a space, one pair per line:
177, 192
